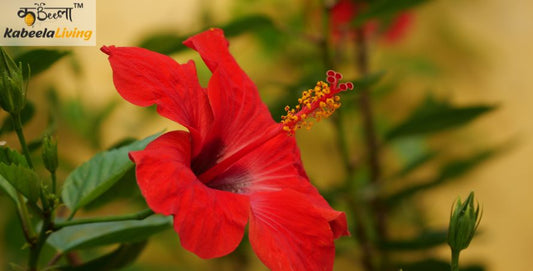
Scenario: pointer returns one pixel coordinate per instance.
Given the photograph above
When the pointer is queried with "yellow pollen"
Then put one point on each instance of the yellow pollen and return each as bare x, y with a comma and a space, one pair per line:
315, 104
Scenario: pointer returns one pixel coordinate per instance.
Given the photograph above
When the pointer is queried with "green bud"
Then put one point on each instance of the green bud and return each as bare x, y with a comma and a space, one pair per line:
49, 153
464, 221
12, 88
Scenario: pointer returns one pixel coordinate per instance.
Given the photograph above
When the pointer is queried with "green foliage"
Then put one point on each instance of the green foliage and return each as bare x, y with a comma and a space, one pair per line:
247, 24
164, 43
124, 189
385, 8
97, 175
23, 179
368, 80
40, 59
26, 115
425, 240
107, 233
170, 43
84, 121
433, 116
416, 163
9, 190
449, 171
434, 265
9, 156
119, 258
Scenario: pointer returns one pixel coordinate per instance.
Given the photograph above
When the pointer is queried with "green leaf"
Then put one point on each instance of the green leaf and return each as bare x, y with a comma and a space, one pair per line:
35, 144
121, 257
457, 168
435, 265
106, 233
435, 116
250, 23
449, 171
39, 60
26, 115
164, 43
124, 189
170, 43
23, 179
425, 240
97, 175
87, 123
9, 190
385, 8
416, 163
368, 80
9, 156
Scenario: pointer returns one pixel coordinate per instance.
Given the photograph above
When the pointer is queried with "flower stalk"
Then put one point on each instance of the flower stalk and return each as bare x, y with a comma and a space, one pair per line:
17, 124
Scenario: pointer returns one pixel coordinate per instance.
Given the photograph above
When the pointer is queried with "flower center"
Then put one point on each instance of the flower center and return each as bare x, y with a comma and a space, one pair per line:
315, 104
220, 168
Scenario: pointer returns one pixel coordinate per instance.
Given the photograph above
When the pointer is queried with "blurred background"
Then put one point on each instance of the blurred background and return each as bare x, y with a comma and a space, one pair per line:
450, 54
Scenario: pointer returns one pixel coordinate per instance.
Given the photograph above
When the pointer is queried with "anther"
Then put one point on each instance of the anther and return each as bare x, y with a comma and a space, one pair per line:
316, 103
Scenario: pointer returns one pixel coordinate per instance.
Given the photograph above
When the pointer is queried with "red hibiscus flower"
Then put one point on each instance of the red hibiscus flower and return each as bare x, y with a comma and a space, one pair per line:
344, 11
234, 165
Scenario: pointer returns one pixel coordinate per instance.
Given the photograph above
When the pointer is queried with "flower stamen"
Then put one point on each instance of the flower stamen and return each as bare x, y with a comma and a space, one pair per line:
315, 104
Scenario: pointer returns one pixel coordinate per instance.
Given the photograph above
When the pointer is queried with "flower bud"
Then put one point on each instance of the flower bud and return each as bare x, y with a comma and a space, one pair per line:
49, 153
464, 221
12, 88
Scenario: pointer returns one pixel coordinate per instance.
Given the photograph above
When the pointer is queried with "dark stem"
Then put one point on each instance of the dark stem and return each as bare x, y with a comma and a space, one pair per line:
371, 140
17, 124
35, 249
366, 110
362, 235
25, 220
54, 181
23, 210
367, 250
55, 259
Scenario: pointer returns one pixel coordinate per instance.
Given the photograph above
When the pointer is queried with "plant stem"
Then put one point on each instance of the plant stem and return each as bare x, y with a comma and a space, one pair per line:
17, 124
362, 235
23, 209
35, 250
54, 178
370, 133
455, 260
136, 216
55, 259
25, 220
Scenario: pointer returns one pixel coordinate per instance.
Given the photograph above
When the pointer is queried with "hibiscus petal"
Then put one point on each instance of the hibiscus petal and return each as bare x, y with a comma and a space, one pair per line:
274, 166
210, 222
144, 78
287, 233
240, 115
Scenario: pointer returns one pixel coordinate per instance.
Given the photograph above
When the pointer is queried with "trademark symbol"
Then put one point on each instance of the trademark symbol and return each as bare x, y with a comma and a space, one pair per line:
78, 5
